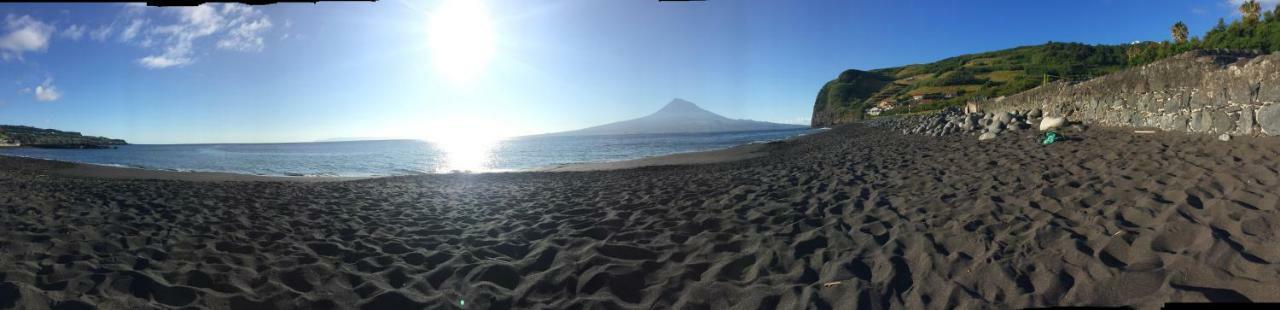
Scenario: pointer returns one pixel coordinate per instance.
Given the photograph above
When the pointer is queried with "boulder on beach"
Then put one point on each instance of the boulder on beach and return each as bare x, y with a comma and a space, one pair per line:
987, 136
1049, 123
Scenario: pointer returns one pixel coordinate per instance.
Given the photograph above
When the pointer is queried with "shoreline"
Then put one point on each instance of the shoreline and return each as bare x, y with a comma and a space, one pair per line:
714, 156
102, 171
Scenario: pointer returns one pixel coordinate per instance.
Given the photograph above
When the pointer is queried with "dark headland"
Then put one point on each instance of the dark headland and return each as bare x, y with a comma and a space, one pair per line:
11, 135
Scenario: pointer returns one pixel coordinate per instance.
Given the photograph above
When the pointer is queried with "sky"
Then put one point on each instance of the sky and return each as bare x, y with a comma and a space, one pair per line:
461, 68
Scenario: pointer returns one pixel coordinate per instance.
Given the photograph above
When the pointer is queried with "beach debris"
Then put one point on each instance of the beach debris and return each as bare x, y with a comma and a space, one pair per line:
987, 136
1049, 123
1050, 137
832, 284
1144, 131
1224, 137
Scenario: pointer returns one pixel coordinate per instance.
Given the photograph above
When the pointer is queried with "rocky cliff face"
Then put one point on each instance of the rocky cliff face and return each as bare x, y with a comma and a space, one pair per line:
842, 100
1220, 91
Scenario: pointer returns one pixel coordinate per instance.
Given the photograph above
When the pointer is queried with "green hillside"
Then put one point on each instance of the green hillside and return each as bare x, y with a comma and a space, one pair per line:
956, 80
953, 81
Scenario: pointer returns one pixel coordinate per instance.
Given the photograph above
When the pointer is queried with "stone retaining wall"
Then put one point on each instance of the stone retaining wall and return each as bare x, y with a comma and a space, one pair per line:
1215, 92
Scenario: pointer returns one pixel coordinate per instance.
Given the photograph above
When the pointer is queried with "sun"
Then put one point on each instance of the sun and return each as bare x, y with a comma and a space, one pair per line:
461, 39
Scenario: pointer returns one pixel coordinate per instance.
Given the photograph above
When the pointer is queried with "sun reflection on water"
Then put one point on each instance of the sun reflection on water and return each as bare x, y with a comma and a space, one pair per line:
465, 146
466, 154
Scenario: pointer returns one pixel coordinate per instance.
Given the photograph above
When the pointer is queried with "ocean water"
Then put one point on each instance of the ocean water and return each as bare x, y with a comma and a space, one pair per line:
399, 157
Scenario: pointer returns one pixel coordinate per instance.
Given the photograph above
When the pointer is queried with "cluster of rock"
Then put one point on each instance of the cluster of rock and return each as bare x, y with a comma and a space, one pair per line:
954, 121
1236, 93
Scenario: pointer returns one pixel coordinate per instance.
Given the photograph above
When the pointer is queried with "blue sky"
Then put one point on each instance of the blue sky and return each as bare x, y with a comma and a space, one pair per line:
414, 69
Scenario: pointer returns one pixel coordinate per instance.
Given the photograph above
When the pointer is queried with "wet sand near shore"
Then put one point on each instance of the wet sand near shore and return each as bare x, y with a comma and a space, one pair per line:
853, 217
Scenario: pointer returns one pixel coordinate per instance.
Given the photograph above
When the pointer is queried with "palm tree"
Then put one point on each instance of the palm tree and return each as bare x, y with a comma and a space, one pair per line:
1179, 32
1250, 9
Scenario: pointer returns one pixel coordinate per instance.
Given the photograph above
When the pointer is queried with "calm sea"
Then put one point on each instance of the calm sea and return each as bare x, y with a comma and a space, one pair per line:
399, 157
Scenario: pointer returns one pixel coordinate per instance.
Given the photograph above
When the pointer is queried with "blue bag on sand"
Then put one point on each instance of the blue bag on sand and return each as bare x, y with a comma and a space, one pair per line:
1050, 137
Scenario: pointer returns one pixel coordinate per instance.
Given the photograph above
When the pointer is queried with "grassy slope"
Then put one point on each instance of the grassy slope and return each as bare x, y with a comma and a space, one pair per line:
990, 74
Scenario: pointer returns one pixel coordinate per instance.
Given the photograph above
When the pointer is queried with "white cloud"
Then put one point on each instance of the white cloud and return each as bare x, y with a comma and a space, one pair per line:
235, 27
25, 34
164, 61
74, 32
47, 92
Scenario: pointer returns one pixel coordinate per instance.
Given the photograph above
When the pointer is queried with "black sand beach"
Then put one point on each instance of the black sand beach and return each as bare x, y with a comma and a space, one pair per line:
854, 217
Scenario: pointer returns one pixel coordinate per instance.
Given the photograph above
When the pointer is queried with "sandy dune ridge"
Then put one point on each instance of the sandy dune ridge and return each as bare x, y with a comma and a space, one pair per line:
885, 220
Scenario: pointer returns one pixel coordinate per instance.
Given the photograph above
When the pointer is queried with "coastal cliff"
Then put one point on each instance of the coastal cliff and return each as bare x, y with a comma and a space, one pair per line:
11, 135
1234, 92
843, 100
856, 94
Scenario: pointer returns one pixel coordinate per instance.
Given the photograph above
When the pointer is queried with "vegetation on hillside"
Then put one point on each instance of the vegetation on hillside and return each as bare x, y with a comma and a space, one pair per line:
1255, 30
954, 81
846, 93
32, 136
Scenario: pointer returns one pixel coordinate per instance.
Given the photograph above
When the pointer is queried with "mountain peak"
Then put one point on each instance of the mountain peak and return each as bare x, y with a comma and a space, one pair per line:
678, 116
683, 108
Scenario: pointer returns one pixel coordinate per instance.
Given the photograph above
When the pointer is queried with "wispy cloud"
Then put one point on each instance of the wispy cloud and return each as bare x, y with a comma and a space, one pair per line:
47, 92
131, 31
73, 32
23, 34
235, 27
245, 35
101, 33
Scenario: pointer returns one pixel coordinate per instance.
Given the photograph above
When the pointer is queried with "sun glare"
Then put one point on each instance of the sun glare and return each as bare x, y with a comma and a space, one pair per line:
461, 38
466, 146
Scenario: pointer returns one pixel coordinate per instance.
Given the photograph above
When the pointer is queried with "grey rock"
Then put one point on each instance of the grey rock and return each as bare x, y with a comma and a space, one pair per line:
1201, 122
987, 136
1224, 137
1223, 122
1004, 118
1244, 126
1269, 119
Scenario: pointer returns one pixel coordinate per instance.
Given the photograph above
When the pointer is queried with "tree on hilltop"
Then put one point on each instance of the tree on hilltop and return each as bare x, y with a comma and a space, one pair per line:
1250, 10
1179, 32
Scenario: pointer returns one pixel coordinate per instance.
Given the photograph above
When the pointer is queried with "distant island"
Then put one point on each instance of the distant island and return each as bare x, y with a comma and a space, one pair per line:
11, 135
678, 116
